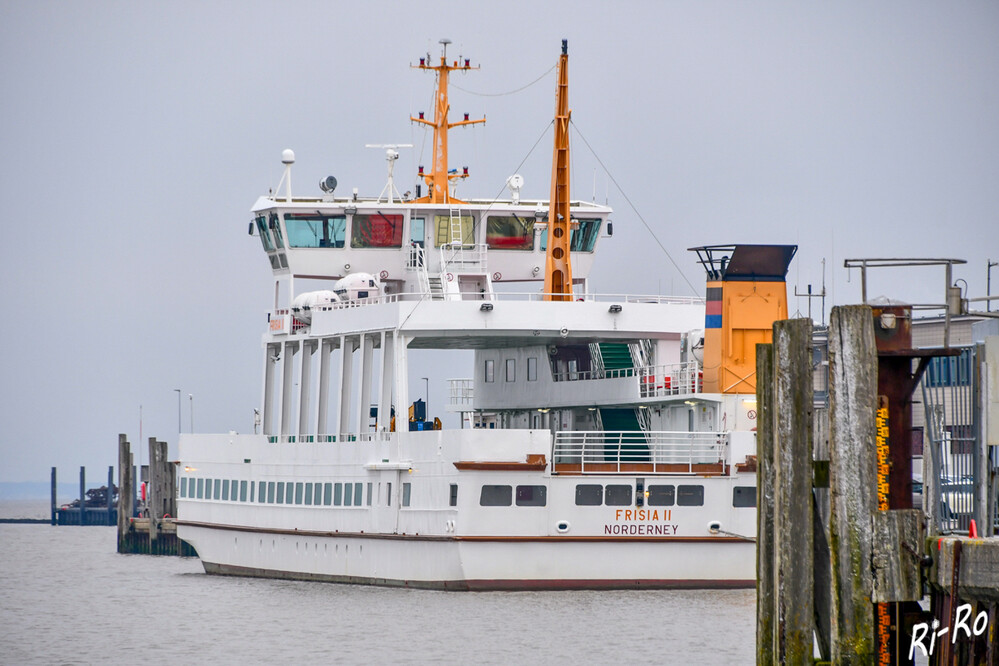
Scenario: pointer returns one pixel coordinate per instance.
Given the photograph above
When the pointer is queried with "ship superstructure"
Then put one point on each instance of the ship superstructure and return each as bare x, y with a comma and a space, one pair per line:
589, 452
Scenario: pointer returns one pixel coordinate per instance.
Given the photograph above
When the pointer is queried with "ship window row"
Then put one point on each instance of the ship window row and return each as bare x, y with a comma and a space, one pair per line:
504, 495
385, 230
612, 494
303, 493
489, 371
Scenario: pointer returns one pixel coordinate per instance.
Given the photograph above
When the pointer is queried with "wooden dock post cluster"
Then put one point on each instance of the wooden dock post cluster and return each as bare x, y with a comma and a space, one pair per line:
842, 580
94, 507
155, 532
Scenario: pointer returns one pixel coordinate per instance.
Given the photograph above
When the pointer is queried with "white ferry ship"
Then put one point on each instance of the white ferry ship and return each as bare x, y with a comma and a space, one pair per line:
605, 441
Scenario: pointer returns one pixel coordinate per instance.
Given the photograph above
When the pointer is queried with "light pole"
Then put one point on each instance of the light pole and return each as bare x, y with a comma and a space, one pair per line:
988, 285
178, 411
191, 397
426, 403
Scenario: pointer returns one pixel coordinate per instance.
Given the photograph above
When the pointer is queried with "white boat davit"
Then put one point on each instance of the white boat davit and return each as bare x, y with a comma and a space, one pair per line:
605, 441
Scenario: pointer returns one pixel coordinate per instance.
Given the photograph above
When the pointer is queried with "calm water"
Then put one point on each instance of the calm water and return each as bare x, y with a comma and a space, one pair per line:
67, 597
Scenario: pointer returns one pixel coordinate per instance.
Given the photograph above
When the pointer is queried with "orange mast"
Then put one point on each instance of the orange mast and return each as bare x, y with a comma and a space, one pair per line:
438, 179
558, 269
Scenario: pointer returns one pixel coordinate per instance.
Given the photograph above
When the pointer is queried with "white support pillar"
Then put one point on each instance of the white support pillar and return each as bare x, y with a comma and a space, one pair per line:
304, 386
400, 350
385, 399
364, 379
325, 351
267, 400
346, 370
287, 397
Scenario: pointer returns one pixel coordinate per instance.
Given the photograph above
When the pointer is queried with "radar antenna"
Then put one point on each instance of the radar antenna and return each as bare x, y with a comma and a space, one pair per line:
391, 155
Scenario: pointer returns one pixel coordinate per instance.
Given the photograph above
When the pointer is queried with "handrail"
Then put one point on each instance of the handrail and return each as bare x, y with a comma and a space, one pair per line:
606, 452
655, 381
517, 296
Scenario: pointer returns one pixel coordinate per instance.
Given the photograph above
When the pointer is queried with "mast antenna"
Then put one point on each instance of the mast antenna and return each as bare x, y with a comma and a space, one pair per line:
439, 177
558, 269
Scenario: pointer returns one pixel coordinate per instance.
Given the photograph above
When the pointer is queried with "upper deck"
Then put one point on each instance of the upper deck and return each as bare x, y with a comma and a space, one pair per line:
503, 241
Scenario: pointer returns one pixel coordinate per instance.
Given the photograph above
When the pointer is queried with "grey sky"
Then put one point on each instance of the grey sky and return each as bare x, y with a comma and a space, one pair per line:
136, 135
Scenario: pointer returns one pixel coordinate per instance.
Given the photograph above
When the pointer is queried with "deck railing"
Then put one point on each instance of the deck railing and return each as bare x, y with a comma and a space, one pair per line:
603, 452
512, 296
654, 381
330, 439
456, 257
460, 394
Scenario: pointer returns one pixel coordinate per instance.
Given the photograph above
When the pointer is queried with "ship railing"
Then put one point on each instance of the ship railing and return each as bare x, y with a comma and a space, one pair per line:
625, 452
512, 296
343, 437
658, 381
654, 381
460, 395
458, 257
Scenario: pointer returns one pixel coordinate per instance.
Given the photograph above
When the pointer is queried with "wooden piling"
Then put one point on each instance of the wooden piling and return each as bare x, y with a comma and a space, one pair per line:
793, 523
765, 602
83, 496
853, 480
54, 500
126, 489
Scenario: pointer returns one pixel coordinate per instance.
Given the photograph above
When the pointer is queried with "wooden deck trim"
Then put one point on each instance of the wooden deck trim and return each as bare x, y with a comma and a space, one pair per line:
535, 462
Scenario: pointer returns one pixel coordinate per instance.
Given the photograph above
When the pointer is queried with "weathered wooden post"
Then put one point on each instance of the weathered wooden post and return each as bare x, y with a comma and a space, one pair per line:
110, 497
126, 489
152, 494
765, 602
83, 496
793, 522
54, 496
852, 480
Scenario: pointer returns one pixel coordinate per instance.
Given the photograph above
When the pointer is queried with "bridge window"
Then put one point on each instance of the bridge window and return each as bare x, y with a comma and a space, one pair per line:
464, 230
582, 238
532, 495
276, 230
378, 230
690, 495
744, 496
589, 494
510, 233
496, 496
662, 495
265, 235
312, 230
617, 495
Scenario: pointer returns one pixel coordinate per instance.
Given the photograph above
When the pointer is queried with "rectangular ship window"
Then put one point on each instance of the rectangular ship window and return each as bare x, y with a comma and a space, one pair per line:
201, 488
378, 230
454, 495
617, 495
358, 489
589, 494
308, 494
218, 488
511, 370
253, 491
183, 486
327, 494
443, 230
242, 491
490, 370
280, 492
744, 496
690, 495
510, 232
298, 492
406, 491
496, 496
369, 494
225, 489
348, 490
289, 495
662, 495
532, 495
532, 369
313, 230
388, 494
337, 494
318, 498
270, 492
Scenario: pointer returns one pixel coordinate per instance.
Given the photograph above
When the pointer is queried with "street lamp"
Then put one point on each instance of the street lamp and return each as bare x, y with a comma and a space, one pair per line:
191, 397
988, 285
178, 411
426, 404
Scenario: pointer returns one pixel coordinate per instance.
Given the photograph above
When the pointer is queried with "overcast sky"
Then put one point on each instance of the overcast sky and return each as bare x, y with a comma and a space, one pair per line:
135, 136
